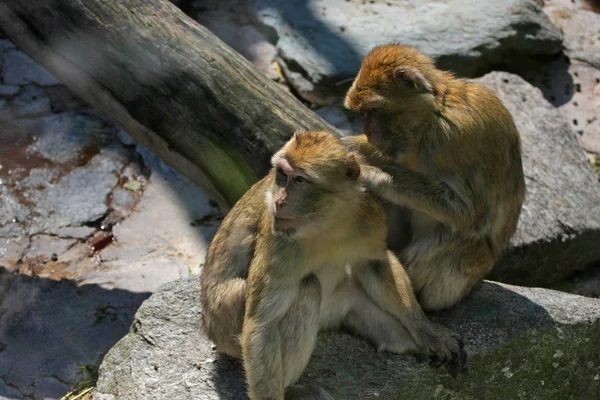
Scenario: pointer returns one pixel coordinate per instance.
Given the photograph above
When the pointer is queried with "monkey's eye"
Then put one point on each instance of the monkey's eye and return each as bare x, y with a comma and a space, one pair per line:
300, 179
281, 177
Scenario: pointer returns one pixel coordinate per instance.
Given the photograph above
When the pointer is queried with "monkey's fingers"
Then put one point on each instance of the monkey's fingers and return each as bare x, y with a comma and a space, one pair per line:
436, 362
460, 362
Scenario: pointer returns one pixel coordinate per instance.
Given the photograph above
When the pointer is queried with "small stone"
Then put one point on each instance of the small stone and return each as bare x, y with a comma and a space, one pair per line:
558, 354
133, 185
9, 90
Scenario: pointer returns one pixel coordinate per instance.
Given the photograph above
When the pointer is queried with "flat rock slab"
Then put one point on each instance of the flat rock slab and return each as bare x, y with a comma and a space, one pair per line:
322, 42
511, 331
559, 227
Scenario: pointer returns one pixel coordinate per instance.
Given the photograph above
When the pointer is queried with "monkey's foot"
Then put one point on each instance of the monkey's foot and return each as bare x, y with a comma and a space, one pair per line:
446, 348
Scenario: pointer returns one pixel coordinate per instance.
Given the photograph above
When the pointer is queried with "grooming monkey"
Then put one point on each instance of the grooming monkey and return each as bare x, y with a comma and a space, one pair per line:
450, 157
276, 274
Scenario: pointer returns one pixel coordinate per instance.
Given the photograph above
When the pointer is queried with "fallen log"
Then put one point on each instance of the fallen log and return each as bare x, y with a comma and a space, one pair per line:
168, 81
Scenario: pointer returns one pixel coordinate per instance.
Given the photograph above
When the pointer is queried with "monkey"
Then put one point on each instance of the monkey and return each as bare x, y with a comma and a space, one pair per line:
446, 157
302, 251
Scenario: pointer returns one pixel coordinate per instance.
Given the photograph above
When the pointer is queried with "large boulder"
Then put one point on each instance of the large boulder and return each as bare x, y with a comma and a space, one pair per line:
321, 43
559, 227
526, 343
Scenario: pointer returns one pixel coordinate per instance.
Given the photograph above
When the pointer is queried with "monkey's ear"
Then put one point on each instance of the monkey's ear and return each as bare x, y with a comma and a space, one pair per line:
413, 78
352, 169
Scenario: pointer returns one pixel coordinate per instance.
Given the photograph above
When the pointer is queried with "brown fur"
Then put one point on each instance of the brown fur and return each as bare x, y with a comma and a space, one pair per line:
266, 294
454, 165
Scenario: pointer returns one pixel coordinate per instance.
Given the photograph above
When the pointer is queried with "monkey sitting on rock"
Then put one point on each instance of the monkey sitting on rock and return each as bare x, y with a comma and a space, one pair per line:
448, 162
303, 250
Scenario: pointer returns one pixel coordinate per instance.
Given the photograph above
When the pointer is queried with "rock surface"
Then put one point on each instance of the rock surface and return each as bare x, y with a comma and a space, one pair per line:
581, 27
510, 330
579, 74
90, 224
322, 42
230, 22
559, 227
49, 329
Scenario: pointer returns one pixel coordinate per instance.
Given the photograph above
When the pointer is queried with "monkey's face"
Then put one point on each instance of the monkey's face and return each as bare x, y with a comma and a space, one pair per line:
392, 90
314, 178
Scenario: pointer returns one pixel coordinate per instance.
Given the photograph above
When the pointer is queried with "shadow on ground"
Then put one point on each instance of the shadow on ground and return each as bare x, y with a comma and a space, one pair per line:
49, 329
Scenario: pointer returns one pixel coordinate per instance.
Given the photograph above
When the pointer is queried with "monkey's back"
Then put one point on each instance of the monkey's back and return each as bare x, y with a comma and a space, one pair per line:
485, 144
223, 278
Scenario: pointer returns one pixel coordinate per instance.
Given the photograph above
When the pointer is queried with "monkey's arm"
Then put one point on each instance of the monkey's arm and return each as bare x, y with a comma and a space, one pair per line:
414, 190
261, 341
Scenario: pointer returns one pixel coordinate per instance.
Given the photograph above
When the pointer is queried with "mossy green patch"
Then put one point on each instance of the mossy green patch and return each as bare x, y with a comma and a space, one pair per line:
559, 363
227, 170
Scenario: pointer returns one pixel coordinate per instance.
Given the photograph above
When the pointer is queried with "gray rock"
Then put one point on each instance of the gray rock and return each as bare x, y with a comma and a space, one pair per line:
75, 232
85, 203
20, 70
31, 102
11, 250
174, 248
8, 90
125, 138
586, 283
166, 355
9, 393
13, 212
346, 123
48, 329
6, 45
46, 245
228, 23
559, 227
78, 134
581, 29
322, 42
35, 209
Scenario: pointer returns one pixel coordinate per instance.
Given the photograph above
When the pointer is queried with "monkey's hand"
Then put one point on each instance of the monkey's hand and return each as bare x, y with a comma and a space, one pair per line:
367, 153
444, 347
376, 180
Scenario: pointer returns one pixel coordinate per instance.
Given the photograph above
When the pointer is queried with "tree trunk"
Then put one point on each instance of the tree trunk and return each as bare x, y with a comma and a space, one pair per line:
169, 82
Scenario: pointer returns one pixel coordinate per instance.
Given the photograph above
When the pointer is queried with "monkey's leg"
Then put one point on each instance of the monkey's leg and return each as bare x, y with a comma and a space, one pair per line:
223, 316
299, 329
387, 284
349, 306
279, 335
445, 268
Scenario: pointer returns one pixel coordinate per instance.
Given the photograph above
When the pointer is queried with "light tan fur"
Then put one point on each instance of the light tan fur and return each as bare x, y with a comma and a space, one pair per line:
449, 161
269, 286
